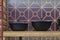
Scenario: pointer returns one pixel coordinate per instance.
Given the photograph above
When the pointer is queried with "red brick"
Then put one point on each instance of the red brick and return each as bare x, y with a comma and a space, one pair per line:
0, 27
0, 15
0, 8
0, 38
1, 34
0, 21
0, 2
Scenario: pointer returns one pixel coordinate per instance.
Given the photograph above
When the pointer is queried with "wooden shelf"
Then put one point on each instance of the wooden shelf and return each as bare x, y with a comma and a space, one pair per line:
31, 33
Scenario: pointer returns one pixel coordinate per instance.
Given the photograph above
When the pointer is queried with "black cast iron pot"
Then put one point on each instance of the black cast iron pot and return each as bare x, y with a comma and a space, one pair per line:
58, 22
41, 25
18, 26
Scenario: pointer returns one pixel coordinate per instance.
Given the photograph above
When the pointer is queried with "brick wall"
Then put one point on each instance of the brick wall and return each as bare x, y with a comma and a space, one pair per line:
0, 19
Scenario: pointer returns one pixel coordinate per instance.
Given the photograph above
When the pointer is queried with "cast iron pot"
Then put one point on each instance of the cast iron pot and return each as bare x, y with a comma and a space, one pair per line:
18, 26
41, 25
58, 22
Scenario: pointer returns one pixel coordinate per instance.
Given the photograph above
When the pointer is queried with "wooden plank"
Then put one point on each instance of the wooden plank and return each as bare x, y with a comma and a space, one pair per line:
31, 33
